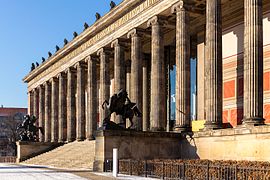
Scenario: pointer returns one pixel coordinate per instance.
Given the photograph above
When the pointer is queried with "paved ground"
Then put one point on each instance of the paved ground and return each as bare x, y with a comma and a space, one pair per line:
26, 172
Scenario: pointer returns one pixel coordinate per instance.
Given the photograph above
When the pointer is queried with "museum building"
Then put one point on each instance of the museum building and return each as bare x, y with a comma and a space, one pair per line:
133, 47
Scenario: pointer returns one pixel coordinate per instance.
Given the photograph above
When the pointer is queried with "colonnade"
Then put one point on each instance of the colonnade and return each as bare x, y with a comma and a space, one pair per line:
66, 114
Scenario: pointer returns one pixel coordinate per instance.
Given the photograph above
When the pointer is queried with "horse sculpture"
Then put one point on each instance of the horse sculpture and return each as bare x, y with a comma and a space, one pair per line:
121, 105
27, 130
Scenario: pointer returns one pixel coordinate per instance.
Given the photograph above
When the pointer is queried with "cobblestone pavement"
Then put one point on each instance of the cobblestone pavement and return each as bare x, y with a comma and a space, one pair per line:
17, 172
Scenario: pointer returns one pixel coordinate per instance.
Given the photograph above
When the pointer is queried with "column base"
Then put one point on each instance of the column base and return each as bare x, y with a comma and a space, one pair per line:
253, 121
80, 139
71, 140
157, 129
182, 129
209, 125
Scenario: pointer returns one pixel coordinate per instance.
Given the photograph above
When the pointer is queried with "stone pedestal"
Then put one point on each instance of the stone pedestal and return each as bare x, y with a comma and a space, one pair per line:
135, 145
26, 150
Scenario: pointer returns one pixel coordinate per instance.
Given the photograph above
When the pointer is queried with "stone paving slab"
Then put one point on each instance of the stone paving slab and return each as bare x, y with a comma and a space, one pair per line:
33, 172
18, 172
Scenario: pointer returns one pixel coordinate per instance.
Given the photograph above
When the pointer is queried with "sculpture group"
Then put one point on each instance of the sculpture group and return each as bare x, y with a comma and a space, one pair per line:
121, 105
27, 131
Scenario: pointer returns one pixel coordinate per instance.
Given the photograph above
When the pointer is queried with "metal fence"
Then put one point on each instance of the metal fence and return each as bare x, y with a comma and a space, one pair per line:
187, 171
8, 159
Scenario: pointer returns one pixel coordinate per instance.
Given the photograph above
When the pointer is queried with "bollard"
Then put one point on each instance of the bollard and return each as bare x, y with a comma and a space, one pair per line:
115, 162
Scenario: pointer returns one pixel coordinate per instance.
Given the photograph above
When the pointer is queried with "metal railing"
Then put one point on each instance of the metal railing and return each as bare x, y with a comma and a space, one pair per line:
8, 159
187, 171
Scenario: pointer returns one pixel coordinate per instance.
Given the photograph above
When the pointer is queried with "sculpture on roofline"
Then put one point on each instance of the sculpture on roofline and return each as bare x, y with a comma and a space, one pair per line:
65, 41
98, 16
112, 5
33, 66
43, 59
75, 34
27, 130
121, 105
85, 26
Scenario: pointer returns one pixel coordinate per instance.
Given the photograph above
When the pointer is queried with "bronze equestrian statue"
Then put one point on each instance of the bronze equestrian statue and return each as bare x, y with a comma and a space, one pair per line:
27, 130
121, 105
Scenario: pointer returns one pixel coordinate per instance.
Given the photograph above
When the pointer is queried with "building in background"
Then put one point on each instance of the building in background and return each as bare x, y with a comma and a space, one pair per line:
9, 120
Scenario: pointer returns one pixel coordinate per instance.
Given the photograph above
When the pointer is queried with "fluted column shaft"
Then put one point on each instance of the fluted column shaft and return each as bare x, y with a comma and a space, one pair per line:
104, 82
92, 100
41, 114
35, 103
213, 65
158, 96
47, 112
182, 92
119, 69
253, 62
136, 73
71, 105
80, 101
30, 108
145, 94
54, 111
62, 108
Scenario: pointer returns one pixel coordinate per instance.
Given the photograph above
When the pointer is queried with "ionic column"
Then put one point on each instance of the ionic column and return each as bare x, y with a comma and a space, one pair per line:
145, 93
213, 65
92, 99
30, 108
136, 73
253, 63
119, 69
182, 92
35, 103
41, 114
158, 96
104, 81
54, 111
62, 108
71, 104
128, 82
80, 101
47, 112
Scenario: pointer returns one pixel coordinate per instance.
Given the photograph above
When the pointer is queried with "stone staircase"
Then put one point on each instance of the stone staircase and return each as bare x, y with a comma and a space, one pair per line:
75, 155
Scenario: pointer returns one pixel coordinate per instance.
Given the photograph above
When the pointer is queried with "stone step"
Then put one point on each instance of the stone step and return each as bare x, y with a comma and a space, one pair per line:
72, 155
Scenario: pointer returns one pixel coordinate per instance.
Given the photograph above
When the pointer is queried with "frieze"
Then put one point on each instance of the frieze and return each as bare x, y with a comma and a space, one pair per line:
131, 14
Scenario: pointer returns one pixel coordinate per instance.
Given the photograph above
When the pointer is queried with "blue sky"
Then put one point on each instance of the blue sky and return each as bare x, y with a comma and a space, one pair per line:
31, 28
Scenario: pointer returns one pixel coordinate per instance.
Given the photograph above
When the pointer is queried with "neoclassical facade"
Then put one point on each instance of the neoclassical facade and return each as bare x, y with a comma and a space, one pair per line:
132, 46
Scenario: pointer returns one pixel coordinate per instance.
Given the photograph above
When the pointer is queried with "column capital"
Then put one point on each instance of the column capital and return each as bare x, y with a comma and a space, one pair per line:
119, 42
136, 32
180, 6
92, 57
81, 64
46, 83
55, 79
70, 69
103, 50
63, 74
157, 20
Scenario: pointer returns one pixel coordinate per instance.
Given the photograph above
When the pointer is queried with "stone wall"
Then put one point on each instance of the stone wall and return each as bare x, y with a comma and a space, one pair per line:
242, 143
